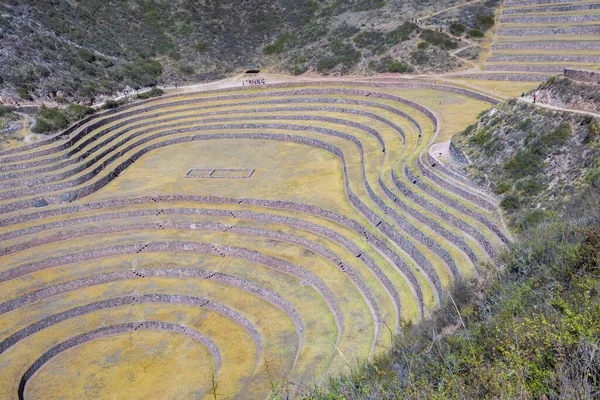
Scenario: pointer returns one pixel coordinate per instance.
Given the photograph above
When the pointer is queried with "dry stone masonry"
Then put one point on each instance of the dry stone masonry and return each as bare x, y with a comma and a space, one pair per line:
332, 279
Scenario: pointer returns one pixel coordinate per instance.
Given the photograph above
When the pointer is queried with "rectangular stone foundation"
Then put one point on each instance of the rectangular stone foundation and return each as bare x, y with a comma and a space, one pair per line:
220, 173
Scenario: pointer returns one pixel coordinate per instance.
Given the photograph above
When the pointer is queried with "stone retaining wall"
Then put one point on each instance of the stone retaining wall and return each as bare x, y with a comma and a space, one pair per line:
145, 104
454, 204
588, 30
559, 19
559, 45
504, 77
450, 218
545, 9
560, 58
273, 263
311, 246
113, 330
351, 224
533, 2
524, 68
400, 240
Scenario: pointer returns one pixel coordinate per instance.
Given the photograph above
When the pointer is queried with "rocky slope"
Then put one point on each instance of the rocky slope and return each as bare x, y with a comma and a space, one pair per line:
534, 158
81, 50
566, 93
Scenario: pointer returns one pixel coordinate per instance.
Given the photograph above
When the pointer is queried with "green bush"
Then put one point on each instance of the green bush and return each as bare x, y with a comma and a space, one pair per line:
201, 46
325, 64
476, 33
420, 57
481, 137
532, 218
277, 46
524, 163
423, 46
457, 29
5, 111
593, 174
41, 126
439, 39
530, 185
398, 67
485, 22
87, 55
401, 33
502, 188
75, 112
344, 31
299, 69
154, 92
510, 203
24, 93
558, 137
111, 104
49, 120
368, 39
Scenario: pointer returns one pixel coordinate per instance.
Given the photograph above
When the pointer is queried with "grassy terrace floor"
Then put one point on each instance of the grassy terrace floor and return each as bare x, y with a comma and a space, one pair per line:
113, 256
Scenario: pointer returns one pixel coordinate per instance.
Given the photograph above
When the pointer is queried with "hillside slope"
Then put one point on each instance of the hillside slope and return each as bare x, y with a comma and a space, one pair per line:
82, 50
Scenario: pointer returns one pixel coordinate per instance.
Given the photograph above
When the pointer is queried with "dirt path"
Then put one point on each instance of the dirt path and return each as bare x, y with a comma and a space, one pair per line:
466, 3
529, 100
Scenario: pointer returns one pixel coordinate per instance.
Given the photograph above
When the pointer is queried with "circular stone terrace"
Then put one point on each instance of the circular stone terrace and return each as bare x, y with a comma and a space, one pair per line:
225, 240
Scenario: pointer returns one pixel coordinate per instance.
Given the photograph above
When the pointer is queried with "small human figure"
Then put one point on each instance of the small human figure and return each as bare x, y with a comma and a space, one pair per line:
523, 94
534, 98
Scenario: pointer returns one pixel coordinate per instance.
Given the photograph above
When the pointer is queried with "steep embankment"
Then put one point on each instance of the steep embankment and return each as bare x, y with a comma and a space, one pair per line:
533, 157
563, 92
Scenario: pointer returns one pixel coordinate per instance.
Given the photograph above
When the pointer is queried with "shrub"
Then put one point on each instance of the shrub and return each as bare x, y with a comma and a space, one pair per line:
153, 68
401, 33
368, 5
41, 126
420, 57
368, 39
532, 218
476, 33
593, 174
154, 92
326, 64
50, 120
277, 46
485, 22
510, 203
398, 67
557, 137
111, 104
299, 69
76, 112
502, 188
5, 111
457, 29
87, 55
423, 46
24, 93
524, 163
530, 185
187, 70
439, 39
481, 137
